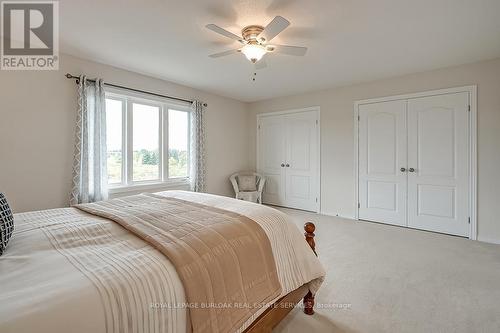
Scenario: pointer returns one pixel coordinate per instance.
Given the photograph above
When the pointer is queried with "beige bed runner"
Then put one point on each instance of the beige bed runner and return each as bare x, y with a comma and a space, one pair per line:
224, 259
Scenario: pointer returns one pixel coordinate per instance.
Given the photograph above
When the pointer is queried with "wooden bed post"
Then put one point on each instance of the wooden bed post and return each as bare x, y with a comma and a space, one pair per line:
308, 302
274, 314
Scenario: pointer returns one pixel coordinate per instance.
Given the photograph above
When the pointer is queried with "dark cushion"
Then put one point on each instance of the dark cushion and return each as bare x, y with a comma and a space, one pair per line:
6, 223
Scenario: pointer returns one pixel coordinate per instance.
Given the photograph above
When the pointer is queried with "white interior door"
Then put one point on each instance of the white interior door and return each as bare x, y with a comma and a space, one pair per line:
438, 163
271, 158
382, 155
301, 165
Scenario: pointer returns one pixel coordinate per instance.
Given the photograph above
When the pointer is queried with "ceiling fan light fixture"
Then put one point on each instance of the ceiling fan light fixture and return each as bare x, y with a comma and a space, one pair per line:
253, 52
255, 40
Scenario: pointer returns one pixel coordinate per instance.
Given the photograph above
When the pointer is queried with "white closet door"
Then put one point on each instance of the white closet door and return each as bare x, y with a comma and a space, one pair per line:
382, 154
438, 163
272, 132
301, 168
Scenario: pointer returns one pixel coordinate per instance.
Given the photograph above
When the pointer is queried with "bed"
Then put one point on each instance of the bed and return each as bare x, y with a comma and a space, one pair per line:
84, 270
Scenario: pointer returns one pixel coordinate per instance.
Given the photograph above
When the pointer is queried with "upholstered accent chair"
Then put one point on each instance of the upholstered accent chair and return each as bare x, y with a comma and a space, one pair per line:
248, 186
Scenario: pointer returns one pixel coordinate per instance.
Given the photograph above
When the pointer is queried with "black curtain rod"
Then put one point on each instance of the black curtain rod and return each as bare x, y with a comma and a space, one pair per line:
69, 76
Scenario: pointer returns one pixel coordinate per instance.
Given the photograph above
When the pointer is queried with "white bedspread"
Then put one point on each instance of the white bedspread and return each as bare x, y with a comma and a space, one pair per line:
61, 266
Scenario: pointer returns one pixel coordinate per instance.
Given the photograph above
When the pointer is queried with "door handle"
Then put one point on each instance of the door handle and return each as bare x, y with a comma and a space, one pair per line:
403, 169
282, 165
411, 170
287, 165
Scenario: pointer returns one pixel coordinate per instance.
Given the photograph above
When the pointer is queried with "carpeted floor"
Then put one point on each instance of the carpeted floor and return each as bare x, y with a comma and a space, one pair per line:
389, 279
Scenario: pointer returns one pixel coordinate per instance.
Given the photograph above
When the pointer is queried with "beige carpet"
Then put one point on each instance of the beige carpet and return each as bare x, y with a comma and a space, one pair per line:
400, 280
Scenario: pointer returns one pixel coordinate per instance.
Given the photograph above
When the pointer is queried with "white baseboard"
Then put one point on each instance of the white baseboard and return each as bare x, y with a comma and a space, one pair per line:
489, 240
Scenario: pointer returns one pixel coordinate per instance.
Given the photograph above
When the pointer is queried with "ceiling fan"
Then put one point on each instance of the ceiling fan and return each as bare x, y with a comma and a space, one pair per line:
256, 41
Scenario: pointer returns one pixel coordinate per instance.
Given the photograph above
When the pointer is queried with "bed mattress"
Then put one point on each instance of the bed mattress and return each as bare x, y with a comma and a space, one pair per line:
62, 264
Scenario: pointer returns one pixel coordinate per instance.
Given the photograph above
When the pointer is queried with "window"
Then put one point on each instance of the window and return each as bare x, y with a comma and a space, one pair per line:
114, 126
148, 141
145, 142
178, 141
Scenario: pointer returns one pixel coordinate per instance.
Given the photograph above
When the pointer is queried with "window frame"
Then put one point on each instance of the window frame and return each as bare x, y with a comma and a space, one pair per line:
164, 105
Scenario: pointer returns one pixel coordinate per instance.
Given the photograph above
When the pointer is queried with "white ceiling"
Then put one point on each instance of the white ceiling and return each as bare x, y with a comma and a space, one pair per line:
349, 41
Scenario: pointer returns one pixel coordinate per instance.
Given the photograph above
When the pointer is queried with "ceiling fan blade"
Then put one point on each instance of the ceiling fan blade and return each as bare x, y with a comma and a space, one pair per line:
225, 53
287, 49
260, 64
223, 32
277, 25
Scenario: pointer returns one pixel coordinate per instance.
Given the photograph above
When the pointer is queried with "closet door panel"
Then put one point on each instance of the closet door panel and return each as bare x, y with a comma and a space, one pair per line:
438, 158
272, 132
382, 154
301, 160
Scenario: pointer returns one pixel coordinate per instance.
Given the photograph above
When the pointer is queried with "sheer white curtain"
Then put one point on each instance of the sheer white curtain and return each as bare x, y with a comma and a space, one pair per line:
90, 181
197, 168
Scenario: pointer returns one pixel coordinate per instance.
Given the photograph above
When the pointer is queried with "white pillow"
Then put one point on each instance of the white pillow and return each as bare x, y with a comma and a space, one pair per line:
247, 183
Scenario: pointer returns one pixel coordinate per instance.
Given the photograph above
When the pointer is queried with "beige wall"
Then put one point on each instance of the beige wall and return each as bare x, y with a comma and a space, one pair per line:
37, 123
337, 137
38, 112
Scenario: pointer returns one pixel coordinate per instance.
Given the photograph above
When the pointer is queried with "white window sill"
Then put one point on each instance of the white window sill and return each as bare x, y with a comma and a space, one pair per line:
180, 184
